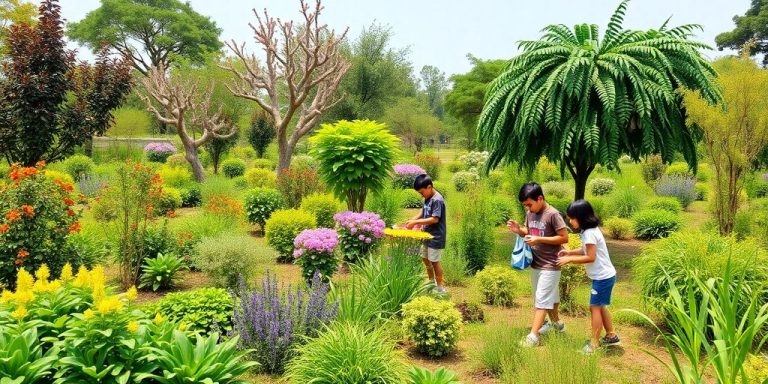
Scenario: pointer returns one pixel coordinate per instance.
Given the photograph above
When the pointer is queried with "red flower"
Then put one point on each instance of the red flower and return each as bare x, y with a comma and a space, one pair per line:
171, 214
19, 261
13, 215
75, 227
40, 164
70, 212
68, 187
28, 210
4, 228
69, 201
23, 253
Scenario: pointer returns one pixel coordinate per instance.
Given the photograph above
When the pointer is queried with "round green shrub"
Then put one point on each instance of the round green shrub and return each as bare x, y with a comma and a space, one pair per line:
174, 176
61, 176
264, 164
199, 309
260, 203
624, 203
240, 182
79, 166
323, 206
455, 166
665, 203
433, 325
495, 180
302, 162
411, 199
561, 204
348, 353
655, 224
170, 200
558, 189
756, 368
618, 228
547, 171
464, 181
430, 162
387, 203
476, 235
233, 168
177, 161
601, 186
497, 285
679, 169
228, 258
283, 227
244, 152
471, 312
191, 197
261, 178
653, 168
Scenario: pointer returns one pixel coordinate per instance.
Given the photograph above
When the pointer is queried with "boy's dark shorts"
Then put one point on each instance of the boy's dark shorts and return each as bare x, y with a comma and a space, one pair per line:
601, 292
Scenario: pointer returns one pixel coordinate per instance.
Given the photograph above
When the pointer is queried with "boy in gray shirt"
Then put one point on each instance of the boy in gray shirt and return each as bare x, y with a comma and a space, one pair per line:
433, 218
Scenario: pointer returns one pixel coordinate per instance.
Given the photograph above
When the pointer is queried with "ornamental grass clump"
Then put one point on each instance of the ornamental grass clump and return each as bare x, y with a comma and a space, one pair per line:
274, 319
315, 252
405, 174
433, 325
159, 152
359, 234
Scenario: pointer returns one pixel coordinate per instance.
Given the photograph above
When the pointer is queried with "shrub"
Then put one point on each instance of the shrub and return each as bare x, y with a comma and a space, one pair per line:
225, 258
455, 166
348, 353
464, 181
411, 199
260, 203
315, 253
61, 176
471, 312
624, 203
283, 227
618, 228
558, 189
425, 376
261, 178
158, 240
626, 159
433, 325
323, 207
233, 168
601, 186
175, 176
79, 166
430, 162
498, 285
223, 206
159, 152
261, 132
474, 161
571, 276
679, 169
495, 180
386, 203
202, 309
191, 197
500, 349
680, 187
476, 239
177, 161
440, 187
547, 171
302, 162
757, 186
505, 209
701, 191
655, 224
665, 203
653, 168
264, 164
404, 175
161, 272
37, 215
217, 147
296, 182
170, 200
240, 182
359, 234
273, 319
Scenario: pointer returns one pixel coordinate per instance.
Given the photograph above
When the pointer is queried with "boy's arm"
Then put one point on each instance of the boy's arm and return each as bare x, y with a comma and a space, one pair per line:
577, 257
560, 238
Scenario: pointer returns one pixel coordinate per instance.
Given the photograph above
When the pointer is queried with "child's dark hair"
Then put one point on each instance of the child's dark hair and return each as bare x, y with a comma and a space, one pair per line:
422, 181
530, 191
582, 211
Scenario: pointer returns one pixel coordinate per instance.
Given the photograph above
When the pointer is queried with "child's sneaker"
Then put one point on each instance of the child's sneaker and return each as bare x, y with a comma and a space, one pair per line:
607, 341
529, 341
439, 291
587, 349
550, 326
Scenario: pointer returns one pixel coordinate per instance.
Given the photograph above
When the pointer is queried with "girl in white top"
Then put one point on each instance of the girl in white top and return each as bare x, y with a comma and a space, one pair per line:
594, 254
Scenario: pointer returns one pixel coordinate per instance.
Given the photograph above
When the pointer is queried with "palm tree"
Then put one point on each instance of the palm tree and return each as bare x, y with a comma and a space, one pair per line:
583, 102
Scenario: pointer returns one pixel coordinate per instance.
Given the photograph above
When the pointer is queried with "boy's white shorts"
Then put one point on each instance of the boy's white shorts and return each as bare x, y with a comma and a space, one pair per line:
430, 254
546, 288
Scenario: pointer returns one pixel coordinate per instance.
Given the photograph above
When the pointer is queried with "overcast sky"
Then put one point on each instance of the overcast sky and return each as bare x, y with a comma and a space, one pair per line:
442, 33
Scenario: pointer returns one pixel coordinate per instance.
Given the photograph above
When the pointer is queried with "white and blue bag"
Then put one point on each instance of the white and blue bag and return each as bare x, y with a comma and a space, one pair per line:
522, 255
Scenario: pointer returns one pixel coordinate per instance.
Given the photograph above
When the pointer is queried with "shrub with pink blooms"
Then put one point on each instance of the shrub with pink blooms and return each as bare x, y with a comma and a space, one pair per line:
359, 233
159, 152
405, 174
314, 250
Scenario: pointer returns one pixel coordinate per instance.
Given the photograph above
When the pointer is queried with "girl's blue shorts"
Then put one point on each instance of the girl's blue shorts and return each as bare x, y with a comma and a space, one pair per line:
601, 292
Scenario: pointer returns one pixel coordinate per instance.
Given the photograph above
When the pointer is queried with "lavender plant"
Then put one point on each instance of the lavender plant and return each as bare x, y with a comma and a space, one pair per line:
359, 233
275, 319
681, 187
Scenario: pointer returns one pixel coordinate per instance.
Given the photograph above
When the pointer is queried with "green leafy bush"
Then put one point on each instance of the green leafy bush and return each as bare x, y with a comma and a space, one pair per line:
283, 227
226, 258
79, 166
655, 224
387, 203
679, 169
170, 200
411, 199
624, 203
618, 228
430, 162
463, 181
264, 164
601, 186
261, 178
433, 325
260, 203
161, 272
233, 168
653, 168
191, 197
665, 203
455, 166
347, 353
323, 206
558, 189
177, 161
296, 182
424, 376
498, 285
505, 208
476, 237
440, 187
175, 176
495, 180
203, 309
702, 190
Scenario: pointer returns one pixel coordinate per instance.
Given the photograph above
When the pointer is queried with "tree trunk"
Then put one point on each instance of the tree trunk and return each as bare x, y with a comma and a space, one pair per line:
285, 151
190, 153
580, 173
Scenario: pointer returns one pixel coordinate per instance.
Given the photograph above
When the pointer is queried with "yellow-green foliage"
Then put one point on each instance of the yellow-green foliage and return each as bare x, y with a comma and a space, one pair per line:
618, 228
175, 176
757, 369
571, 275
260, 177
323, 206
283, 227
433, 325
170, 200
56, 175
497, 285
243, 152
130, 122
679, 169
574, 241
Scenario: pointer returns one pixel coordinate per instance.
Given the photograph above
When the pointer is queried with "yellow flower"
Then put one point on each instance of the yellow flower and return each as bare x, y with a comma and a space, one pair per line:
24, 297
6, 296
407, 234
19, 313
43, 273
158, 319
83, 277
66, 272
131, 294
88, 314
109, 304
133, 326
182, 326
24, 281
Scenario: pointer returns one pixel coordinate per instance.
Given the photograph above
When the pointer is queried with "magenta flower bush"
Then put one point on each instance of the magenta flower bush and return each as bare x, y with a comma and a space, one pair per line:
359, 233
314, 250
159, 152
405, 174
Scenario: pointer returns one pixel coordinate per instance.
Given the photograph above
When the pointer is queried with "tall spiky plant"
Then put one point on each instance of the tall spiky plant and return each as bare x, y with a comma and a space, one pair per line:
582, 102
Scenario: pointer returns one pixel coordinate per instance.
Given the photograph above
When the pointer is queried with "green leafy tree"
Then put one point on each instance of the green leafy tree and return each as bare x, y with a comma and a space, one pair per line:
435, 87
217, 147
735, 134
582, 101
354, 157
152, 33
752, 26
464, 101
14, 12
261, 133
411, 120
50, 105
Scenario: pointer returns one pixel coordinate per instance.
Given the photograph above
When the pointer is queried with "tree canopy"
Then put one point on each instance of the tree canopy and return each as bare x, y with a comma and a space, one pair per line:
435, 87
582, 101
752, 26
151, 32
410, 119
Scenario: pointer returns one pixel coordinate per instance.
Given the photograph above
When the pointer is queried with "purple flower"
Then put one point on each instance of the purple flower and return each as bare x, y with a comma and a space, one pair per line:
409, 169
160, 147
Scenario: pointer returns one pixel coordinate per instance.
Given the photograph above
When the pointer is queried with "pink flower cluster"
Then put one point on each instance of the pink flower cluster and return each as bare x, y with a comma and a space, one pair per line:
409, 169
160, 147
321, 240
365, 225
